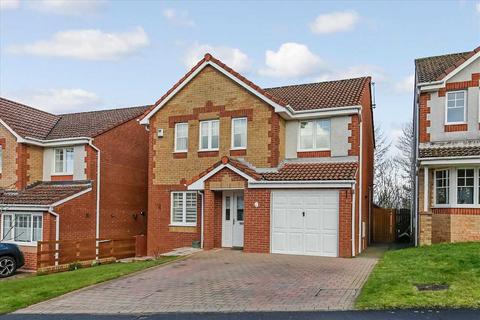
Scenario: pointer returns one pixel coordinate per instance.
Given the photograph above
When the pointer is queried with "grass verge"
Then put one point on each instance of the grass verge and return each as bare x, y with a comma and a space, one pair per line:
19, 293
392, 282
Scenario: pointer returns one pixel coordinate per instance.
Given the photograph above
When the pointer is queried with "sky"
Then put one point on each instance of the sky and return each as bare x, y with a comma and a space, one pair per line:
69, 56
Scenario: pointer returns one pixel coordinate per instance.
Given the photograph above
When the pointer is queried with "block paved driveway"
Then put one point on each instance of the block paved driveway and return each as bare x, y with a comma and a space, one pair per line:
224, 280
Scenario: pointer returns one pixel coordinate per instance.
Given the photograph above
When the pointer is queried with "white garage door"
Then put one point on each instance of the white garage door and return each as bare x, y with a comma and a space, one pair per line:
305, 222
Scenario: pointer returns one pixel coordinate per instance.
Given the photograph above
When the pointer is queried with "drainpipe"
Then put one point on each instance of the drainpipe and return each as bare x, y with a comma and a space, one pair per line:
201, 220
353, 219
360, 199
97, 223
57, 231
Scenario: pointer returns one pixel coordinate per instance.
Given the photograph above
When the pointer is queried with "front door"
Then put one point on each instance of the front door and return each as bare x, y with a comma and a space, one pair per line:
232, 219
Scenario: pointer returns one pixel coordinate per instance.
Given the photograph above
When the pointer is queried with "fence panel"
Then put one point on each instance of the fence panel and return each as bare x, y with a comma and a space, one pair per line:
50, 253
383, 225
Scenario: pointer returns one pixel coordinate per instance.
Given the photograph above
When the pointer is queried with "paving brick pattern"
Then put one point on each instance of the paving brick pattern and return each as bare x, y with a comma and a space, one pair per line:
225, 280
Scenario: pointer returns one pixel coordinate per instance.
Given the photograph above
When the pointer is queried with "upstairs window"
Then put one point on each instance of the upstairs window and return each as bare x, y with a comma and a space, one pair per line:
239, 133
442, 185
465, 186
314, 135
63, 160
209, 139
456, 107
184, 209
181, 137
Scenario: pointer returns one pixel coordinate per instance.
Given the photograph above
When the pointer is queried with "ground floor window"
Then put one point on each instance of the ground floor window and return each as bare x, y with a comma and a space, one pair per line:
457, 187
184, 209
22, 227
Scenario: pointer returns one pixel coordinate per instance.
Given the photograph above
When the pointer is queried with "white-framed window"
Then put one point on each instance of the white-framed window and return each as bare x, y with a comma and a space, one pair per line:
314, 135
456, 108
465, 186
442, 186
239, 133
24, 228
184, 208
181, 137
209, 135
63, 160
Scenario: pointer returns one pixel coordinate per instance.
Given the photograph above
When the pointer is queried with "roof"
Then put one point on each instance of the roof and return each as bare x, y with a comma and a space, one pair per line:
43, 193
320, 95
465, 149
298, 171
438, 67
33, 123
91, 124
26, 121
314, 172
312, 96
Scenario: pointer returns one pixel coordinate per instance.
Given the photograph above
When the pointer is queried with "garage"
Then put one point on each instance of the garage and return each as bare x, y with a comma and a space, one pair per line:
305, 222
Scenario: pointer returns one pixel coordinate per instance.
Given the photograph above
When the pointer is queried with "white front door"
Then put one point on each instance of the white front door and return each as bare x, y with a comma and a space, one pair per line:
305, 222
232, 219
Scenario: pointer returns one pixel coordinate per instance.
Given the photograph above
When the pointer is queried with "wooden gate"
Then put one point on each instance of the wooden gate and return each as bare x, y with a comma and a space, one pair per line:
383, 225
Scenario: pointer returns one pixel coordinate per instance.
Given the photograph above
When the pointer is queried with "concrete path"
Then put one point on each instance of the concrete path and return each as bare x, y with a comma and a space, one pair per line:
224, 281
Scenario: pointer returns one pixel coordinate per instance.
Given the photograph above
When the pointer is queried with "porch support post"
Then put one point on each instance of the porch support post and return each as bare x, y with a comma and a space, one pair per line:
426, 196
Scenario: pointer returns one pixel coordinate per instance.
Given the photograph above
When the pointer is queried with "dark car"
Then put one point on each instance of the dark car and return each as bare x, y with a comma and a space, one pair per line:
11, 258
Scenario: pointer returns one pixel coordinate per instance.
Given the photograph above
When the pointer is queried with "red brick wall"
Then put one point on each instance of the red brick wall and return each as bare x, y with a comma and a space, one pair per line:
424, 123
354, 138
257, 221
314, 154
21, 167
456, 127
123, 192
345, 223
368, 147
30, 256
77, 217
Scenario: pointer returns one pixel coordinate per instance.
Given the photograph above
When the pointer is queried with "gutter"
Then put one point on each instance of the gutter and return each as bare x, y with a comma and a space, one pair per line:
360, 199
353, 220
97, 222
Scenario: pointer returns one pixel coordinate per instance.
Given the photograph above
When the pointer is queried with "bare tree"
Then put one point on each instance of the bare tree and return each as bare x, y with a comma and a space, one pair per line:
405, 145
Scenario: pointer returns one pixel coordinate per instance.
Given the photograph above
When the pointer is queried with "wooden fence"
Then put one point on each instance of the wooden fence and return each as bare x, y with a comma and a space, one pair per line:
383, 225
51, 253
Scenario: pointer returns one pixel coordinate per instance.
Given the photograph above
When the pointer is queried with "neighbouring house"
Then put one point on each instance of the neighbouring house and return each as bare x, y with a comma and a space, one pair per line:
447, 126
282, 170
71, 176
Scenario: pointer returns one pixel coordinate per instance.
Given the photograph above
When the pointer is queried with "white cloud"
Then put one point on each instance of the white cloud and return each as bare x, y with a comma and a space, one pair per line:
478, 7
233, 57
66, 7
290, 61
59, 100
87, 44
9, 4
377, 73
334, 22
405, 85
179, 18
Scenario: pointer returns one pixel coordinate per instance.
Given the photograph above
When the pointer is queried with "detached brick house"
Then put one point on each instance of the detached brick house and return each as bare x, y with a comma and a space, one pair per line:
50, 168
282, 170
447, 123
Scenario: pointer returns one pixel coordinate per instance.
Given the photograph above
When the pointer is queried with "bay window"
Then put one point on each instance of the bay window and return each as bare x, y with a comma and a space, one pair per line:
22, 227
63, 160
184, 209
465, 186
314, 135
209, 135
181, 137
456, 107
442, 186
239, 133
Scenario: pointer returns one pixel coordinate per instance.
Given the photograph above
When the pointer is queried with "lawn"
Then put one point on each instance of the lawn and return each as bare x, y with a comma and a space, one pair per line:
21, 292
392, 283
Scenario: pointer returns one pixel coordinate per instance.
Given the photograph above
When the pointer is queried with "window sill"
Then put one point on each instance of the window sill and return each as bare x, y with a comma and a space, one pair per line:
238, 152
207, 153
182, 225
61, 174
180, 155
183, 229
22, 244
